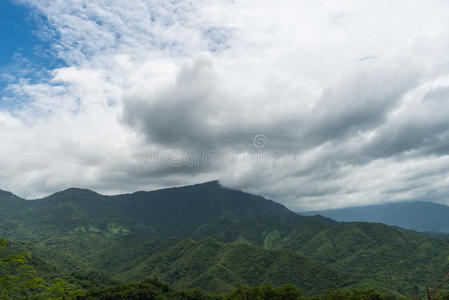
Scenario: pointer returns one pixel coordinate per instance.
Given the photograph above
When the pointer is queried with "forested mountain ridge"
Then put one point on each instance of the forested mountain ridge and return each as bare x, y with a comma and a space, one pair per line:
217, 266
212, 237
195, 211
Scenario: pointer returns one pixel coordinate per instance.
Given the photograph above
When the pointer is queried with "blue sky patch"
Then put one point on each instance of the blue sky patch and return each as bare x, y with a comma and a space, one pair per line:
23, 54
16, 32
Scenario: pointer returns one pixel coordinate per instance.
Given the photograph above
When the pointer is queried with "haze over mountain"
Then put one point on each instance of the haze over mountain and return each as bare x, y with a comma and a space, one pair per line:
418, 215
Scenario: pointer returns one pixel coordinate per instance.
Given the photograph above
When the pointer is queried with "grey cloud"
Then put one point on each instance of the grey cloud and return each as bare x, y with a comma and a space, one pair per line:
421, 128
192, 113
179, 114
358, 103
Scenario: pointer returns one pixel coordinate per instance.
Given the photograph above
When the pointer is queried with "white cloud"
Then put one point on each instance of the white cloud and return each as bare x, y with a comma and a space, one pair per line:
358, 87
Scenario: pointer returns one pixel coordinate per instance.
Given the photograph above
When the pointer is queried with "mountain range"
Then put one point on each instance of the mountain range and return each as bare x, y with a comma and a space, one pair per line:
214, 238
418, 215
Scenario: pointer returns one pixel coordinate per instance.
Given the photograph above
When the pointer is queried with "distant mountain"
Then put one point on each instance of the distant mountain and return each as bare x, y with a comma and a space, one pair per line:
420, 216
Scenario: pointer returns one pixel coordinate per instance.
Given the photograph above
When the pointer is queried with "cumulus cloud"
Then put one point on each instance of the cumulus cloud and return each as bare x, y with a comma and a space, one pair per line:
350, 99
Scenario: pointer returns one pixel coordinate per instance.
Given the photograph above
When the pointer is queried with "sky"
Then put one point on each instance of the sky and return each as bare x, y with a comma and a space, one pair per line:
315, 104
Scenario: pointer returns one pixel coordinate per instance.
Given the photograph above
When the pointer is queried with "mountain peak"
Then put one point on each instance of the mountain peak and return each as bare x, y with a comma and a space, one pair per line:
212, 182
73, 193
207, 184
78, 190
7, 195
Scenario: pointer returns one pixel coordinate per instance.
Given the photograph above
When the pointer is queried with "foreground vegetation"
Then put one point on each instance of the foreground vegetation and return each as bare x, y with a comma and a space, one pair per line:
19, 280
153, 289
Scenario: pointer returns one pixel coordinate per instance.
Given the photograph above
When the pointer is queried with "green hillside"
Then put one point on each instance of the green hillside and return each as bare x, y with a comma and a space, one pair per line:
219, 267
210, 237
389, 258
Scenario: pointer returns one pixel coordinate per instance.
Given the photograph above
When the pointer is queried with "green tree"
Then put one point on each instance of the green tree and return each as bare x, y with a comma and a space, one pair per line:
266, 292
17, 278
61, 290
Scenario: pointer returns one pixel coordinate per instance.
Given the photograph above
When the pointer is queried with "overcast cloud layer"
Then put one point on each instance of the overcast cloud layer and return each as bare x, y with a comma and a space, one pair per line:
315, 104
